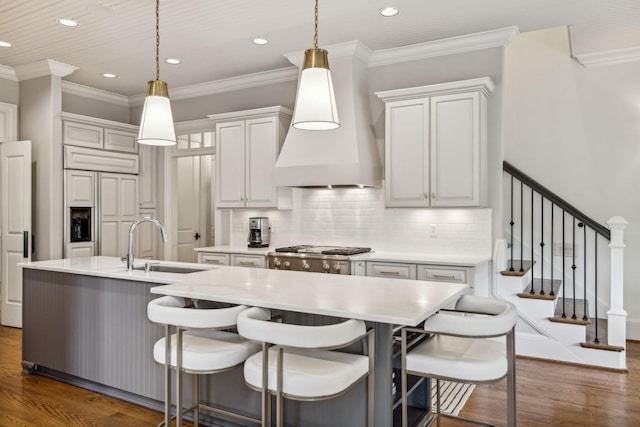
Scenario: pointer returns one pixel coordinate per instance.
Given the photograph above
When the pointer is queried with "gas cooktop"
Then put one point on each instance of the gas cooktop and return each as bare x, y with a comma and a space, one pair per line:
324, 250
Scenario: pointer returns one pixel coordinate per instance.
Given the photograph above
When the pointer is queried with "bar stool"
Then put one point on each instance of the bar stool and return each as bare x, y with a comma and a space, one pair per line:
463, 348
205, 349
296, 362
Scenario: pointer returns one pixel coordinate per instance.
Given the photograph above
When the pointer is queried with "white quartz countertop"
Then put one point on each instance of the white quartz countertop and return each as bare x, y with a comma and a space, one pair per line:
460, 259
236, 250
112, 267
393, 301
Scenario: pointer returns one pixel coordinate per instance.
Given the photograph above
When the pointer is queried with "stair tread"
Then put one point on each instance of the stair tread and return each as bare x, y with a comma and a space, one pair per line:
520, 267
550, 287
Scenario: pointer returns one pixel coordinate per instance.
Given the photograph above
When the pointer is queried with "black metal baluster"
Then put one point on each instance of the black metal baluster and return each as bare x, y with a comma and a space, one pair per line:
595, 249
564, 256
551, 292
584, 268
521, 227
573, 267
541, 244
532, 271
511, 224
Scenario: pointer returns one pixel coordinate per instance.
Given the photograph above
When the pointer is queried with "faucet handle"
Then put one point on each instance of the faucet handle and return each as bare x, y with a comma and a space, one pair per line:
124, 258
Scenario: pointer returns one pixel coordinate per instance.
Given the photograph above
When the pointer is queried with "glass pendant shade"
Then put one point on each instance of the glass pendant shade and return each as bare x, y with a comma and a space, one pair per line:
315, 101
156, 125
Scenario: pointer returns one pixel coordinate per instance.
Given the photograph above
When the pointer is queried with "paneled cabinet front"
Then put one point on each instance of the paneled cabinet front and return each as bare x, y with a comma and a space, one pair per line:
118, 210
246, 153
91, 132
435, 144
80, 188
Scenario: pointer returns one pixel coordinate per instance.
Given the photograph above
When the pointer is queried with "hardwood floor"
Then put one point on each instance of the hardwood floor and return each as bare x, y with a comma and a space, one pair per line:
549, 394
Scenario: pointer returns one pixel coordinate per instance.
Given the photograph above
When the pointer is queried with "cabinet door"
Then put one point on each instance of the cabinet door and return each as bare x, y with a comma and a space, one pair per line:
213, 258
82, 135
147, 178
79, 249
80, 188
407, 153
230, 163
109, 187
455, 150
255, 261
128, 198
261, 154
120, 140
391, 269
147, 237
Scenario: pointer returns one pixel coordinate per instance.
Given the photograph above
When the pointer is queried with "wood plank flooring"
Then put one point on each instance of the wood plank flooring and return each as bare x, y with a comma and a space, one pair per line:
549, 394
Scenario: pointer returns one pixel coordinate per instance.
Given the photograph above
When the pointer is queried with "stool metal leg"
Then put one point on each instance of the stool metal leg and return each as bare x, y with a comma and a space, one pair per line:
438, 400
403, 377
511, 378
196, 400
179, 379
167, 375
279, 401
266, 396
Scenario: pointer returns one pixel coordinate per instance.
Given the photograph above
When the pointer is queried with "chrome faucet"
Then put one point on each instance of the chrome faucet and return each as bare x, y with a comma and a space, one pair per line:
129, 257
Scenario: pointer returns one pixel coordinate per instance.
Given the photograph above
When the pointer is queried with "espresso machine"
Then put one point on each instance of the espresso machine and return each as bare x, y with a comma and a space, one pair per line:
258, 232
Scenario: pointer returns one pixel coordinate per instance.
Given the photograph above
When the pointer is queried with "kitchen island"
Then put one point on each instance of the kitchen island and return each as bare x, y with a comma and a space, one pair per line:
84, 321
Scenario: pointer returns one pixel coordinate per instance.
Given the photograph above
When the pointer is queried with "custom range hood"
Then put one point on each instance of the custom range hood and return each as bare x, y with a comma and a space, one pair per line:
348, 155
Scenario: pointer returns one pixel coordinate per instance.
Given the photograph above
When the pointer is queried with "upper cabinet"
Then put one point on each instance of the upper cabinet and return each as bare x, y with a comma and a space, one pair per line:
435, 144
91, 132
247, 146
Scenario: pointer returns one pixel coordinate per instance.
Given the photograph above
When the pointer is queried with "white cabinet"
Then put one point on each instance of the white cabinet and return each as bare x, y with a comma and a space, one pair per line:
80, 188
147, 238
79, 249
435, 144
246, 153
233, 259
91, 132
213, 258
118, 210
393, 270
254, 261
148, 177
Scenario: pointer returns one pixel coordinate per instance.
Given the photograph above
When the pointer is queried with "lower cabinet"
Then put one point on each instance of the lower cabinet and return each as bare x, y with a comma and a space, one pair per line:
233, 259
429, 272
79, 249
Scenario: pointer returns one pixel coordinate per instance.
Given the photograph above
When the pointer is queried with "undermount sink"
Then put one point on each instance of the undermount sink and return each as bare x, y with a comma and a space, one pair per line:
169, 268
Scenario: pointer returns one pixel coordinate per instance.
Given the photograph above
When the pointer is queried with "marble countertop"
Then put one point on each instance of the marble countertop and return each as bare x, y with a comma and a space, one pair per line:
392, 301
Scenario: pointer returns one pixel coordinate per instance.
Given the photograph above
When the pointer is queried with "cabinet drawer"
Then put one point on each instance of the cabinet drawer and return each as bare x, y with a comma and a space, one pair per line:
391, 270
82, 135
219, 259
120, 140
439, 274
255, 261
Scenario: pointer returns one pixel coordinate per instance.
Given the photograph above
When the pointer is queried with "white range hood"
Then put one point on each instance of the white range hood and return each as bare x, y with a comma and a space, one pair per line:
348, 155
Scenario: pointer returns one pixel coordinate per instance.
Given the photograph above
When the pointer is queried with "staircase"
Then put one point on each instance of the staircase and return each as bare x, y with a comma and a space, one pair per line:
564, 272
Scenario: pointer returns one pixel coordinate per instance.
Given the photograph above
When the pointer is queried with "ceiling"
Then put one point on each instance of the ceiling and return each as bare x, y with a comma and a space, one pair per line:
213, 37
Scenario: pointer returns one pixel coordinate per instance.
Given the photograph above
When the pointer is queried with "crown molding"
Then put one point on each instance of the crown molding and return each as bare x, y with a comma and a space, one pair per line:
226, 85
338, 51
71, 88
46, 67
8, 73
609, 57
467, 43
481, 84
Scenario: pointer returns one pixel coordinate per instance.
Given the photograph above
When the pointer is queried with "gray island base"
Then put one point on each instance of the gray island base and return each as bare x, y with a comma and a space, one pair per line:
91, 329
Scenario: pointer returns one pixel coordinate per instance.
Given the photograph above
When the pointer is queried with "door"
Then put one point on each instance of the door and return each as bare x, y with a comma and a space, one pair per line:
230, 164
193, 197
15, 172
118, 210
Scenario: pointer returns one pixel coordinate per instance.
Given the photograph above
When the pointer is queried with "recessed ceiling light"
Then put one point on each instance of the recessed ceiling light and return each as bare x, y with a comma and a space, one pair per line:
389, 11
173, 61
260, 41
68, 22
109, 75
4, 44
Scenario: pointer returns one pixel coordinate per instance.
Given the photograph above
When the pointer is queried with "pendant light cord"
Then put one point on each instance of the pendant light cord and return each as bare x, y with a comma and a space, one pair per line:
315, 33
157, 39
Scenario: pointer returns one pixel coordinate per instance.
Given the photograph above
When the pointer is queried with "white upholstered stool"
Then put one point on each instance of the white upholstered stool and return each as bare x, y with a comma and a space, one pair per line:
301, 365
463, 348
206, 349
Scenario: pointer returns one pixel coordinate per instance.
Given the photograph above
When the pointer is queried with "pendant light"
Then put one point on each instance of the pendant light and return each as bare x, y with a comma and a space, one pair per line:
156, 125
315, 102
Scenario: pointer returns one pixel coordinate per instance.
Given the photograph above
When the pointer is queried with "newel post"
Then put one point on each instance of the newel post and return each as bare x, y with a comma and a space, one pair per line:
617, 316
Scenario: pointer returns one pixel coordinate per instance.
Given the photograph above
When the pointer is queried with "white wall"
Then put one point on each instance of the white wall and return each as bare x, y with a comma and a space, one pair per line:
357, 217
577, 131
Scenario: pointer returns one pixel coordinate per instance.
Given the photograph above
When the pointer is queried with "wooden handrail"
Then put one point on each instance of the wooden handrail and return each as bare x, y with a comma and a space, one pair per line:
555, 199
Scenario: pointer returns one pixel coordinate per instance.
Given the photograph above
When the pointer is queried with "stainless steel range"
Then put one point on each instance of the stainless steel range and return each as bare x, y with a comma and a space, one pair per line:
318, 259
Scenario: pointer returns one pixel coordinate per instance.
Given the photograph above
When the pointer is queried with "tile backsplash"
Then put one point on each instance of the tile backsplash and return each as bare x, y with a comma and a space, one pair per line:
358, 217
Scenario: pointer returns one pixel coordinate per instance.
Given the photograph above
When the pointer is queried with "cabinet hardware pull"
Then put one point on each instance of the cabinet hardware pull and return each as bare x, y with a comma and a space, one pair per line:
444, 276
245, 262
395, 273
212, 261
